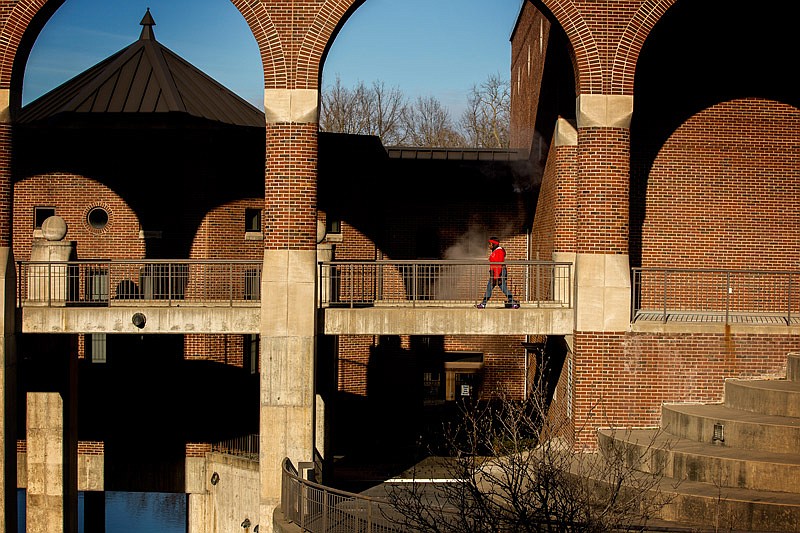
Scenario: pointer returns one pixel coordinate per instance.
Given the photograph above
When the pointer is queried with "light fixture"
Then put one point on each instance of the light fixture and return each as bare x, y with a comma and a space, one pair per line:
719, 433
246, 523
214, 478
139, 320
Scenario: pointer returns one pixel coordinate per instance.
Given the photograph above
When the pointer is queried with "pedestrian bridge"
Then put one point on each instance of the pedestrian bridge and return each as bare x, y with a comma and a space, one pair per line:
388, 298
354, 297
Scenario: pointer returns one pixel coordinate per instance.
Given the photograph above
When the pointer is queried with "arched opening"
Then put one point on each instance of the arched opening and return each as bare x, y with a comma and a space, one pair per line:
138, 183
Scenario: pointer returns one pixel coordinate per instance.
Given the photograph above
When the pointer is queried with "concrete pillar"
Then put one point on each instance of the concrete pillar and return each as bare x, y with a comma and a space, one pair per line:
94, 511
49, 284
287, 368
52, 458
288, 290
325, 369
46, 495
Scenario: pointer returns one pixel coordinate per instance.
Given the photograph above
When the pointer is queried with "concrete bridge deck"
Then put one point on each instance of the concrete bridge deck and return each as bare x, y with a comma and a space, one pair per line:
400, 319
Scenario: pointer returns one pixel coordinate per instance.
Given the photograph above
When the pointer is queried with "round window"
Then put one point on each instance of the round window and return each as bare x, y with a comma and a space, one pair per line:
97, 218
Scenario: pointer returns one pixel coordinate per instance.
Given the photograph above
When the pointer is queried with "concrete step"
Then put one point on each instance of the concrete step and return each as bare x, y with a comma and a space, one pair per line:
737, 428
793, 367
713, 507
777, 397
654, 450
731, 509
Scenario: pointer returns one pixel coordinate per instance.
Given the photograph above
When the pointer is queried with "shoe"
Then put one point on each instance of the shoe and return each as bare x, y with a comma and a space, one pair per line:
515, 305
480, 306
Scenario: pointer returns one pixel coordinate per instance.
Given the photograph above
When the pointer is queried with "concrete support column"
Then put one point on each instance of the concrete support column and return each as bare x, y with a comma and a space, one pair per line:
51, 502
288, 290
287, 367
94, 511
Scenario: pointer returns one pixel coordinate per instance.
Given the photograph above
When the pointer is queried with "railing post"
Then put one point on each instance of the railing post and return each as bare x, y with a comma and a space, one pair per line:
664, 318
169, 284
727, 295
414, 285
789, 303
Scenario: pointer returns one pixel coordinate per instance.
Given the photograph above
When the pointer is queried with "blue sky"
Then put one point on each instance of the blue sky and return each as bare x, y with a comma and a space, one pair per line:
424, 47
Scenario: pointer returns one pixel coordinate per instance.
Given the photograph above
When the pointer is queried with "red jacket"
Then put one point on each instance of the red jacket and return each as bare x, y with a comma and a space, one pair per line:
498, 255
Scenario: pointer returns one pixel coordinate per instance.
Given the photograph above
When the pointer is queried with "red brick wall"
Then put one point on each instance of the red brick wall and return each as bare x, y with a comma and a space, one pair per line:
724, 191
354, 352
602, 190
5, 185
504, 361
221, 234
225, 349
554, 229
73, 196
621, 379
528, 50
291, 182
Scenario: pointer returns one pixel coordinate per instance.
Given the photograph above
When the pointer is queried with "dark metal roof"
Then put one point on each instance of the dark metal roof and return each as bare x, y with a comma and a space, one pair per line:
145, 77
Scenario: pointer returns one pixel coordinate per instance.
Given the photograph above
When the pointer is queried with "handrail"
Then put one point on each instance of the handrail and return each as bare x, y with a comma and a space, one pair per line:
356, 283
119, 282
319, 509
722, 295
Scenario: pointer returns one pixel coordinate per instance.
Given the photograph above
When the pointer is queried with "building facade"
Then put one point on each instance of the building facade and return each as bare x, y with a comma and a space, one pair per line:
657, 137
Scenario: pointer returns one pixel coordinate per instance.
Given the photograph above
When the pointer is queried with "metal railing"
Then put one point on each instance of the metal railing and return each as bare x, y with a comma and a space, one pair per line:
320, 509
427, 283
246, 446
717, 295
126, 282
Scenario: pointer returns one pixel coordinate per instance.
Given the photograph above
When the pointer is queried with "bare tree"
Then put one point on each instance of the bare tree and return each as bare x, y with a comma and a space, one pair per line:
427, 123
339, 109
375, 110
512, 472
385, 112
385, 108
486, 120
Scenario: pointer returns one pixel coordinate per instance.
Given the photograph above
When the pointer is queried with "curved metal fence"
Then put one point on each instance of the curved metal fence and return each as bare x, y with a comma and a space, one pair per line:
320, 509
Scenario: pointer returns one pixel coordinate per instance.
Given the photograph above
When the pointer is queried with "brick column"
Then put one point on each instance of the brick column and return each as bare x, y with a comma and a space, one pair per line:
288, 304
8, 363
602, 269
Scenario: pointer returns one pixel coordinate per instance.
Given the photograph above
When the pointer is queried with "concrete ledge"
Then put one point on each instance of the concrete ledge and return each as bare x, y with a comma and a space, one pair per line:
281, 525
446, 321
158, 320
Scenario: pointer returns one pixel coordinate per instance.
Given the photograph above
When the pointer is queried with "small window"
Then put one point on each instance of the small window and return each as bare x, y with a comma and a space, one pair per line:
251, 351
97, 218
97, 346
333, 225
40, 214
252, 220
252, 284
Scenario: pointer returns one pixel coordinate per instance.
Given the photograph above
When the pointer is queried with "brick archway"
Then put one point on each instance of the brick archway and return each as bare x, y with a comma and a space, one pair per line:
592, 76
623, 64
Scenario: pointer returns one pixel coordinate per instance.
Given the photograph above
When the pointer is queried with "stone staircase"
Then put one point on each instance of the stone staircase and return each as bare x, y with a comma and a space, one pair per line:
733, 466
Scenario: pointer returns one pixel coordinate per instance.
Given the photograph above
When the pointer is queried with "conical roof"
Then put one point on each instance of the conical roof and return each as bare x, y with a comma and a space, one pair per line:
143, 78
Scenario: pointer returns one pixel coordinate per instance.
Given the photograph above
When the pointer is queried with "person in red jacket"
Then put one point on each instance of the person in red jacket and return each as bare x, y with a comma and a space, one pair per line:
498, 275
